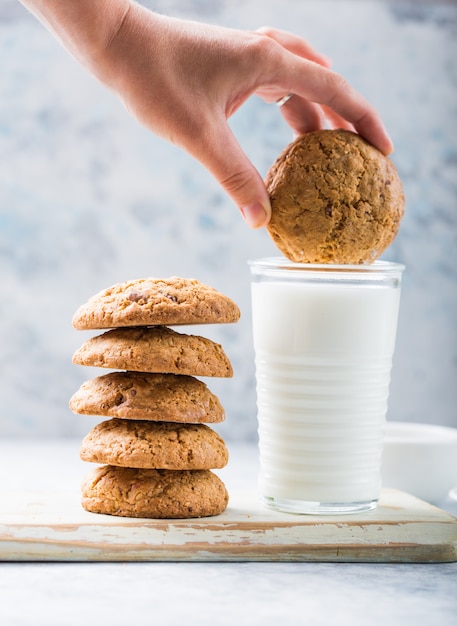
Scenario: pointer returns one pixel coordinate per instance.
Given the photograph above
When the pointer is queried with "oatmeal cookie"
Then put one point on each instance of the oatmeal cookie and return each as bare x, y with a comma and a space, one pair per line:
154, 445
156, 301
143, 396
150, 493
155, 349
335, 199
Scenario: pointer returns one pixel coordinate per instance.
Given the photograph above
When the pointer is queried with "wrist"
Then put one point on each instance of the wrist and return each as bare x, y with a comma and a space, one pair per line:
84, 27
121, 59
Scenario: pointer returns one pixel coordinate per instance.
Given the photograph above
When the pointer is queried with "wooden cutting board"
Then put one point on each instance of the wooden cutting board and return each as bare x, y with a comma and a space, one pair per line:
37, 526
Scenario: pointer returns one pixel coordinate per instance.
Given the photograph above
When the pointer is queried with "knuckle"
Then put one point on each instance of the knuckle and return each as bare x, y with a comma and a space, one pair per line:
237, 182
268, 31
338, 86
263, 48
340, 83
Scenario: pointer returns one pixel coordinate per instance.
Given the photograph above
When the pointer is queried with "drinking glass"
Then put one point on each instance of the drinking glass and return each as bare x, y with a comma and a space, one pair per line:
324, 337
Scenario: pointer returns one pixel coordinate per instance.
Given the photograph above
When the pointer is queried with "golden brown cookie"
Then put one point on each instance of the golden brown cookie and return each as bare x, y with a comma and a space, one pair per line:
156, 301
151, 493
335, 199
154, 445
143, 396
155, 349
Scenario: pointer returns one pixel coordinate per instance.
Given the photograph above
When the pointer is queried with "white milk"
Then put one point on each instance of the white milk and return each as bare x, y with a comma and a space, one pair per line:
323, 360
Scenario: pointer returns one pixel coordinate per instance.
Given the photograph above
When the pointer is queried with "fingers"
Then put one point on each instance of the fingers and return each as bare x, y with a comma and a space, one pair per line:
302, 115
305, 72
319, 85
364, 118
348, 104
335, 120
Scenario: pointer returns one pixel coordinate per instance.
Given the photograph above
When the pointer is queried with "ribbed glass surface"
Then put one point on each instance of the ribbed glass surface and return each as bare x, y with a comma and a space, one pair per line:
321, 427
324, 337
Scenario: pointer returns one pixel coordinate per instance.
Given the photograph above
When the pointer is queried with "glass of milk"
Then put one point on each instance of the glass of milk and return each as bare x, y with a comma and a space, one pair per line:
324, 337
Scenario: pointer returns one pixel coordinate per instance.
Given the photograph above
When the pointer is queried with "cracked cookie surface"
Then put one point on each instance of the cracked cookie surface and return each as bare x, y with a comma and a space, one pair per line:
156, 301
154, 445
155, 349
143, 396
335, 199
150, 493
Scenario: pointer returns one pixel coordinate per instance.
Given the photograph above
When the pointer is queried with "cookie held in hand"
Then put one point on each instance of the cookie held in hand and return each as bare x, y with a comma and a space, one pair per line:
335, 199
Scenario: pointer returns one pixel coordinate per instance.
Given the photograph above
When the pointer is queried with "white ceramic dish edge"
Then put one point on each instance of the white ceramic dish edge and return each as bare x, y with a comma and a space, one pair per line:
420, 459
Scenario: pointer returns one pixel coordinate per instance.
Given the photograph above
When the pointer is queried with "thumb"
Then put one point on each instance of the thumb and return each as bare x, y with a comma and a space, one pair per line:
225, 159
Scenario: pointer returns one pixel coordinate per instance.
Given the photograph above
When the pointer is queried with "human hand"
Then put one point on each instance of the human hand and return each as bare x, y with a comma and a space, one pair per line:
183, 80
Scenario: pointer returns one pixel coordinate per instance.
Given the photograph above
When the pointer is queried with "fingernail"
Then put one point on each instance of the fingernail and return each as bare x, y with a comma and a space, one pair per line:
255, 215
392, 146
388, 147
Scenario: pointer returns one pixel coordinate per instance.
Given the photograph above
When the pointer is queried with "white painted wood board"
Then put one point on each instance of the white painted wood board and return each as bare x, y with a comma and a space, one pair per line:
47, 526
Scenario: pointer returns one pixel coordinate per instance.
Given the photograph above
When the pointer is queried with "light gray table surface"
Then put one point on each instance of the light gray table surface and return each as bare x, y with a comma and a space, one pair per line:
111, 594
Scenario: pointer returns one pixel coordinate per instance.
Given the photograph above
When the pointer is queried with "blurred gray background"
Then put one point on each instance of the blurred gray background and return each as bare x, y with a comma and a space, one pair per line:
89, 198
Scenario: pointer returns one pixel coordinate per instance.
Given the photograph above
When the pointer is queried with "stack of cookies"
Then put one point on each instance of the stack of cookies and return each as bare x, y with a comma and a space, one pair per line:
156, 449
